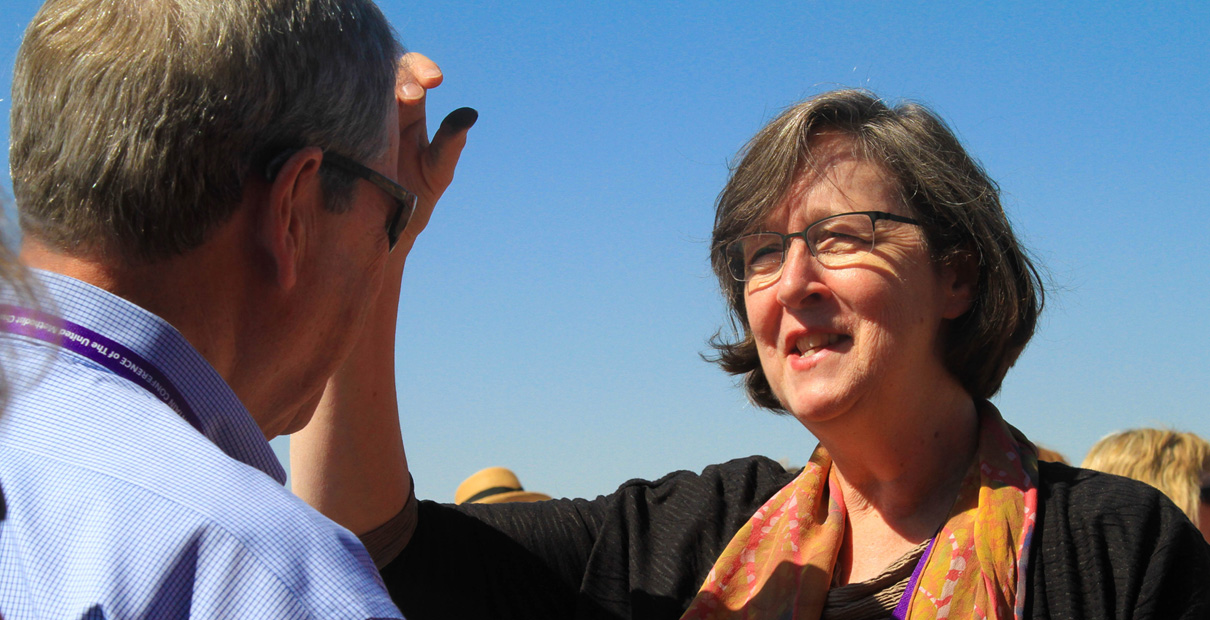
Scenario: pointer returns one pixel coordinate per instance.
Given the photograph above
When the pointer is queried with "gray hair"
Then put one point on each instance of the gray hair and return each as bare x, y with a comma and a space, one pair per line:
957, 204
135, 123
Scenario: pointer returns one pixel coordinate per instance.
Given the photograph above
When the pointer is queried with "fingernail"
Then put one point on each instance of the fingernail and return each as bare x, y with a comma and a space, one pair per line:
412, 90
431, 72
462, 118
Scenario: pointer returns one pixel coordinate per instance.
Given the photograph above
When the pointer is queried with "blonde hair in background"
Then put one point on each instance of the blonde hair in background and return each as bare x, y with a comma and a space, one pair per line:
1170, 461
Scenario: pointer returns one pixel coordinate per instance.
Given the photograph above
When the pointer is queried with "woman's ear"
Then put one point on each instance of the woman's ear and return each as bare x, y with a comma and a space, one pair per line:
295, 196
960, 279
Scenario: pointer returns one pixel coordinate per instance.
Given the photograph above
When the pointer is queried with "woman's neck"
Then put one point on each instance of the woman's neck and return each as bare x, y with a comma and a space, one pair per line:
899, 478
893, 454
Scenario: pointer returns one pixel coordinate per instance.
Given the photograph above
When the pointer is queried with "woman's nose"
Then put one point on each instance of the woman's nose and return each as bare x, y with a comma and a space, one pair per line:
800, 281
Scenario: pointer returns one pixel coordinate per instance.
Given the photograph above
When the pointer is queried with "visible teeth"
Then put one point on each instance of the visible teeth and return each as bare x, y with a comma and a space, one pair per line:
808, 344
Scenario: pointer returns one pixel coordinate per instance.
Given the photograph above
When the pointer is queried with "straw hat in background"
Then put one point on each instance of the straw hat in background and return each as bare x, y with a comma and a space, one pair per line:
494, 485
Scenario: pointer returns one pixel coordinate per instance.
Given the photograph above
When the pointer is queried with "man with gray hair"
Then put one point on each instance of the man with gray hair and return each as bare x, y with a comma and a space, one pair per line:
210, 192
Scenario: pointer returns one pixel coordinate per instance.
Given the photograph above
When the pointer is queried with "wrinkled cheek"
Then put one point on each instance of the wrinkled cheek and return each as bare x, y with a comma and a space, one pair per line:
877, 347
901, 325
770, 361
764, 320
771, 366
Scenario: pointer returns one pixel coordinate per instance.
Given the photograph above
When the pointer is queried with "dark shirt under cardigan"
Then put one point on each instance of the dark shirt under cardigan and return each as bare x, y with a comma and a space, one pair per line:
1104, 547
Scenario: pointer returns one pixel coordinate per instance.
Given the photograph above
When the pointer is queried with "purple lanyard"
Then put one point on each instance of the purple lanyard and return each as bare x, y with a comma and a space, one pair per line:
905, 601
111, 355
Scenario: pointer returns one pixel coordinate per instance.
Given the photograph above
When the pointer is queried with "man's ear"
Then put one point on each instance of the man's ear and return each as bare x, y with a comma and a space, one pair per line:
960, 277
287, 221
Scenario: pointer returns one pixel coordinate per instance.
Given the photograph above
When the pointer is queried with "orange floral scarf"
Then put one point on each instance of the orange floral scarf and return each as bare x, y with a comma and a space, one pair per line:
779, 565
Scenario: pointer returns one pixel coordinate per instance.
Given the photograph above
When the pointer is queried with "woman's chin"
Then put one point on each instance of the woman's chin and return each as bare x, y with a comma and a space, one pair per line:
815, 412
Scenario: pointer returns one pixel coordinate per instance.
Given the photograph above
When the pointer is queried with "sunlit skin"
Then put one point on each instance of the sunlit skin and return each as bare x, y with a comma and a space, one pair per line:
899, 427
887, 311
348, 264
349, 462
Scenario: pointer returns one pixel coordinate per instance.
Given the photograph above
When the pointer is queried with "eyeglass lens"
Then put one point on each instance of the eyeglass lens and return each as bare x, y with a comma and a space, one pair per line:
834, 242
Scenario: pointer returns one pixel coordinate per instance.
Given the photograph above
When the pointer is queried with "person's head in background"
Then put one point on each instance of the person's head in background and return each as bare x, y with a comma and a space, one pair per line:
1176, 463
495, 485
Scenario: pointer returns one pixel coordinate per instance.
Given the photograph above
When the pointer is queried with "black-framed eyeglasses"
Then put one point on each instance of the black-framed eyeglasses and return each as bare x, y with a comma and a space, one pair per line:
835, 241
405, 201
1206, 493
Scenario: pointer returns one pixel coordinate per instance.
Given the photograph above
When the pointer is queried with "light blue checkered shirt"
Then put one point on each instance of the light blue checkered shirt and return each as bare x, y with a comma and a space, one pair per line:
115, 507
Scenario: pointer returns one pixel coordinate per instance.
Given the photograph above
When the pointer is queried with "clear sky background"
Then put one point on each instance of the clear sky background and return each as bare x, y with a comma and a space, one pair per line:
555, 309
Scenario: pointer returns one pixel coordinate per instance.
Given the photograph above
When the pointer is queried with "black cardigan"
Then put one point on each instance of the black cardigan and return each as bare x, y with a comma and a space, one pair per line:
1104, 547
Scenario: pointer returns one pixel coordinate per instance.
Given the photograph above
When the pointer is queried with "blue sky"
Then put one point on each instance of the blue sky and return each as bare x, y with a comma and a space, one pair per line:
555, 309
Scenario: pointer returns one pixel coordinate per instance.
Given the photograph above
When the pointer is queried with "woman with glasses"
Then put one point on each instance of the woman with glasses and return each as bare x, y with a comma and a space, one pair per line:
879, 296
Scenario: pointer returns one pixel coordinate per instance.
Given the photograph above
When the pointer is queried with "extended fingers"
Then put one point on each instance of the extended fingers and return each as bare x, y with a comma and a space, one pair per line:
416, 74
436, 166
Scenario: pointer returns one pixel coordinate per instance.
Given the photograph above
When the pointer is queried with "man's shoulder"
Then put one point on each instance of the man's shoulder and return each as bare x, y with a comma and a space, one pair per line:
212, 526
97, 436
98, 477
64, 409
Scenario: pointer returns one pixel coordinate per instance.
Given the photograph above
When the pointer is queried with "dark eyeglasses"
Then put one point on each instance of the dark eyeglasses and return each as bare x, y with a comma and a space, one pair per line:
405, 201
835, 241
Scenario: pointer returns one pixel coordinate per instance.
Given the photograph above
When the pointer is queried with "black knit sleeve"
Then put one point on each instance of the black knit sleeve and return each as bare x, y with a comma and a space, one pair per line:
662, 538
494, 561
1109, 547
640, 552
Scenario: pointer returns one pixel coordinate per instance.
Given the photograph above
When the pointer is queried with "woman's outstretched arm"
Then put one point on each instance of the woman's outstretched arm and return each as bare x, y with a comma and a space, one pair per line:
349, 462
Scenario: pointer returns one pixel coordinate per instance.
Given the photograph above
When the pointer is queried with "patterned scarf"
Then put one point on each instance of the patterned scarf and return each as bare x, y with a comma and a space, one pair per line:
779, 565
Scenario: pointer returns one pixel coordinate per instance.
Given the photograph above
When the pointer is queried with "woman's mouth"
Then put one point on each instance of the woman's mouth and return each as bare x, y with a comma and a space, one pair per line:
811, 343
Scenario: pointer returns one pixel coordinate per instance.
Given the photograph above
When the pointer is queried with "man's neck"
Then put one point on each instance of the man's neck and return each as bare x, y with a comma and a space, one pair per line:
201, 294
168, 288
